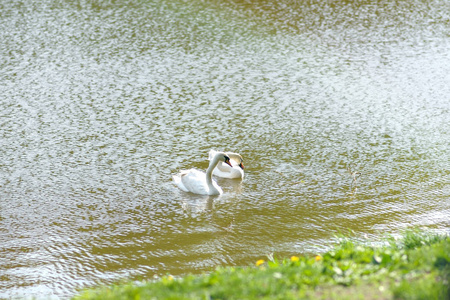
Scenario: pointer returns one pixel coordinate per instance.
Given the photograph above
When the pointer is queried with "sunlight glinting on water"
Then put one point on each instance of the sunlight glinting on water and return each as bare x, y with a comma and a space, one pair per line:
339, 108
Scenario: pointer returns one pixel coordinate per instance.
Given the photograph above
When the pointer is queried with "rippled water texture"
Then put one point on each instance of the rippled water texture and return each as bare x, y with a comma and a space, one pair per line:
102, 101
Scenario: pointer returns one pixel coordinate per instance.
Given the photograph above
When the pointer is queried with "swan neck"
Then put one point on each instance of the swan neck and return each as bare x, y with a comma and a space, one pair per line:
212, 164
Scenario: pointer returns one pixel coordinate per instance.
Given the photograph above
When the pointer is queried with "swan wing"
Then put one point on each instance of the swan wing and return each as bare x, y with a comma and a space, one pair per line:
177, 181
211, 154
194, 181
226, 171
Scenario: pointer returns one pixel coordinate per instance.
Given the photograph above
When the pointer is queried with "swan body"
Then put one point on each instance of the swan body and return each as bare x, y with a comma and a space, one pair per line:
236, 170
198, 182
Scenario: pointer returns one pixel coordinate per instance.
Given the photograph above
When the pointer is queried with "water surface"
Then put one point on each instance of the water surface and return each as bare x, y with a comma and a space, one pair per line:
101, 102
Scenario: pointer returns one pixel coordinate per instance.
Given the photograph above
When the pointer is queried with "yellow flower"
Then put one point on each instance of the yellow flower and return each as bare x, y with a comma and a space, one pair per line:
318, 257
170, 277
294, 258
260, 262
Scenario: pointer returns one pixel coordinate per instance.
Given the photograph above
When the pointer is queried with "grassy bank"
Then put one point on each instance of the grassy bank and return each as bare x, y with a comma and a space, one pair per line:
416, 266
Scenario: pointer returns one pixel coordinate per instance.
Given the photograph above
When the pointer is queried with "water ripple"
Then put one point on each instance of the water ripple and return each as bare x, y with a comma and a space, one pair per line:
102, 102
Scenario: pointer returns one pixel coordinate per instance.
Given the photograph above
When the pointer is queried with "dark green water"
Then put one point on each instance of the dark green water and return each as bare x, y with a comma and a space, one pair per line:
102, 101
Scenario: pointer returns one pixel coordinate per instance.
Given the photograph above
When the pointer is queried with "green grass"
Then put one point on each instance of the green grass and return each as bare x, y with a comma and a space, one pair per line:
416, 266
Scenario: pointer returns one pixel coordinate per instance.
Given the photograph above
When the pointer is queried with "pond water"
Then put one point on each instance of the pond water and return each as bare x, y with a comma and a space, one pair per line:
101, 102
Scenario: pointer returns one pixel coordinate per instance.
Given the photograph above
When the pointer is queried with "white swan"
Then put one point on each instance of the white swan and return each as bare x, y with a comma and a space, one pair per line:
197, 182
225, 171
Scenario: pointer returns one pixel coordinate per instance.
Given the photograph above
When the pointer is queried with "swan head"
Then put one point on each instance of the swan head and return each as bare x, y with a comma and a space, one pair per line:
227, 160
221, 156
237, 158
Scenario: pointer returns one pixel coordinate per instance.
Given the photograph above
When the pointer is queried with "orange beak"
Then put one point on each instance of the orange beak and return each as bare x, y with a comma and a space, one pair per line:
228, 162
241, 165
